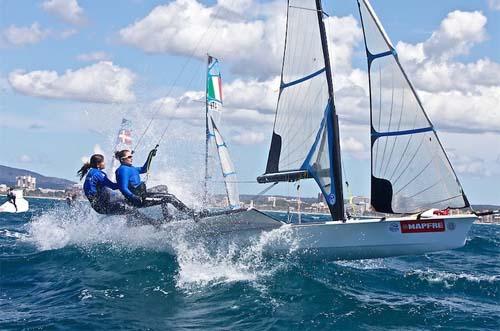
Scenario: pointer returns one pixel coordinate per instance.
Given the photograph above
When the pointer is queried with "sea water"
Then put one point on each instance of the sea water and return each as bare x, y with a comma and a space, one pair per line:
66, 268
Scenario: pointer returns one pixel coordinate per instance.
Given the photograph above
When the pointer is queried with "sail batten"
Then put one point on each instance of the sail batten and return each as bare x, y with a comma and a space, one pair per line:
410, 169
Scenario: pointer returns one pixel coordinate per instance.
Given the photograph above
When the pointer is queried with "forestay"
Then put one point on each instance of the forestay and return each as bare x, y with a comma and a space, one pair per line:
410, 169
305, 135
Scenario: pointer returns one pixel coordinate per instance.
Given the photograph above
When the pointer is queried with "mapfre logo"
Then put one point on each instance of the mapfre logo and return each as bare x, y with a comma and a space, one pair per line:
422, 226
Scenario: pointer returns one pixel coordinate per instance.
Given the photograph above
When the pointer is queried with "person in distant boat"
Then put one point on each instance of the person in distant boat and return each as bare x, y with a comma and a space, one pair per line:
98, 189
11, 197
134, 190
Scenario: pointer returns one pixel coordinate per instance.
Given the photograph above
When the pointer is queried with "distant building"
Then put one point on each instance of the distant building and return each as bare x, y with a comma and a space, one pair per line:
49, 190
26, 182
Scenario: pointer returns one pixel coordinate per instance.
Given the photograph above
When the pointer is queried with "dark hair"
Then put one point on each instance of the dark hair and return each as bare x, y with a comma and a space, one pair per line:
94, 161
120, 154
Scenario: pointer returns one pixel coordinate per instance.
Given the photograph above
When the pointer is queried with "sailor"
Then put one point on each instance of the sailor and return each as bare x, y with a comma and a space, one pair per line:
98, 189
130, 184
11, 197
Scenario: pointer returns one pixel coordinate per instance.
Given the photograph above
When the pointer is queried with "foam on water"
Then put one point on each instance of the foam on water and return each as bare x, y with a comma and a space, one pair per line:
200, 262
82, 227
200, 265
448, 278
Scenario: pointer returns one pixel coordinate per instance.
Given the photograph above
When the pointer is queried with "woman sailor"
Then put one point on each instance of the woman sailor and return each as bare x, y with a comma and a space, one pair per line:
134, 190
98, 188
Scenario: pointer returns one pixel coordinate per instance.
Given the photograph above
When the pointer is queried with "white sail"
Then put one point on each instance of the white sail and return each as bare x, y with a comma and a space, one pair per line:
305, 135
227, 167
214, 137
410, 169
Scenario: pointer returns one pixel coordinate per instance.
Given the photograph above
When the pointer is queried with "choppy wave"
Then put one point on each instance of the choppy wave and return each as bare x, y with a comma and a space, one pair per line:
71, 269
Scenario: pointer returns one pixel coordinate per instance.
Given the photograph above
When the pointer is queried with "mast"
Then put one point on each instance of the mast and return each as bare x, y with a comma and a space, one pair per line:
336, 210
207, 134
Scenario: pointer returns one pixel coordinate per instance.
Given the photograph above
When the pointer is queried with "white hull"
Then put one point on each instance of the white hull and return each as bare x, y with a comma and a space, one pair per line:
22, 204
354, 239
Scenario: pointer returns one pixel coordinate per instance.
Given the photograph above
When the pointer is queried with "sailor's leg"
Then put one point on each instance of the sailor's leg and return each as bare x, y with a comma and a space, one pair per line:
153, 199
172, 199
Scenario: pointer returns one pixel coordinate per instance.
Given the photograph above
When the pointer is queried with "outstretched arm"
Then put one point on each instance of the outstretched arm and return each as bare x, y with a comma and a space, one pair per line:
146, 165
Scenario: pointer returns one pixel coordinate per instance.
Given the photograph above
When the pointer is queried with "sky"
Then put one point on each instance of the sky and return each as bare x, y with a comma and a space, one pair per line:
70, 70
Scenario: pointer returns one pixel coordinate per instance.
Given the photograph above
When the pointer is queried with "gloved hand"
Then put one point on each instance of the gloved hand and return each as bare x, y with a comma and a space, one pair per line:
153, 152
136, 201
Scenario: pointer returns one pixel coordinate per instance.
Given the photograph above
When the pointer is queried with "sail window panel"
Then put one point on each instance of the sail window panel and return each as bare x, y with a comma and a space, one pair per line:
303, 53
419, 172
375, 42
395, 107
300, 111
319, 165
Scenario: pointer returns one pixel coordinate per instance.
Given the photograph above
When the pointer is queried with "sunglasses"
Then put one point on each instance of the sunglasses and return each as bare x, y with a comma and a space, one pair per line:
127, 157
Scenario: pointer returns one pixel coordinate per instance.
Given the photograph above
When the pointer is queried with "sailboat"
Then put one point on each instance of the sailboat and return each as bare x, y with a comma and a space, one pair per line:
214, 142
21, 203
412, 180
412, 177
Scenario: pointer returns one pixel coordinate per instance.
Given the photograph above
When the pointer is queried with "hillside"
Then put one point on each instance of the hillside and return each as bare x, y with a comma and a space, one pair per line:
8, 177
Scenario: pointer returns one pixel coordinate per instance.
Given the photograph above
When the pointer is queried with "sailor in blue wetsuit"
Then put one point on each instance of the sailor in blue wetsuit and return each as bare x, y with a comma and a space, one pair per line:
98, 189
134, 190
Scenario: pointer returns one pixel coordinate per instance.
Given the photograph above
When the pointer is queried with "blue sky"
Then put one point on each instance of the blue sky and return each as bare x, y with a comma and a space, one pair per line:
70, 70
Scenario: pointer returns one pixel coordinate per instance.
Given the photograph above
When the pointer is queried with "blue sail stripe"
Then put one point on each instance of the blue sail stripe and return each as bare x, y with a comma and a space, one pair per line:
229, 173
300, 80
401, 133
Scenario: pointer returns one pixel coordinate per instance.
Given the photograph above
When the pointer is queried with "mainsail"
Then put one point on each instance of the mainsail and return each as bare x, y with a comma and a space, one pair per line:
410, 169
305, 141
214, 137
123, 141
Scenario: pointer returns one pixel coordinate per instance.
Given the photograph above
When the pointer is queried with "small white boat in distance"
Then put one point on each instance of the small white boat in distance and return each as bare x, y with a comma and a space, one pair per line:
21, 203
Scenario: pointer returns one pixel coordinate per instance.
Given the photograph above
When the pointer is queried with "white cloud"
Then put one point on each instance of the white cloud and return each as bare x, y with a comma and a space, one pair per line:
68, 10
249, 138
466, 165
187, 27
458, 32
19, 36
458, 96
354, 147
494, 4
101, 82
465, 112
345, 35
67, 33
94, 56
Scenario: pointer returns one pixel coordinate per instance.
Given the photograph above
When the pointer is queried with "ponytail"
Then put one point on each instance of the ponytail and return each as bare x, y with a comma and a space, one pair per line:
83, 170
94, 161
